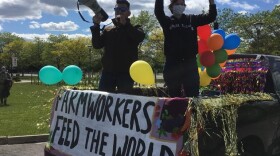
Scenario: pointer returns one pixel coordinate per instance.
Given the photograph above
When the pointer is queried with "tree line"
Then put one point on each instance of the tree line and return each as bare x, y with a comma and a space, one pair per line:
259, 33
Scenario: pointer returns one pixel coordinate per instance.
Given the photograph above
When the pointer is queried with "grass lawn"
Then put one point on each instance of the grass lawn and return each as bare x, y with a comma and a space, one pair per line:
28, 111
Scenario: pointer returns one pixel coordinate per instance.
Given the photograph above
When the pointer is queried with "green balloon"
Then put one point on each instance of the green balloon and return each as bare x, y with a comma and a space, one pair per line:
220, 56
198, 61
214, 70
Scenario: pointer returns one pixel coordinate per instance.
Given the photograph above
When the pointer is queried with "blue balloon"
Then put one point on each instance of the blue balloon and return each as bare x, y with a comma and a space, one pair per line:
50, 75
72, 75
221, 32
232, 41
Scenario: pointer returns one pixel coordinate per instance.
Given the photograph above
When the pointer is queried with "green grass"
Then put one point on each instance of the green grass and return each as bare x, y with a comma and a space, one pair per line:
28, 111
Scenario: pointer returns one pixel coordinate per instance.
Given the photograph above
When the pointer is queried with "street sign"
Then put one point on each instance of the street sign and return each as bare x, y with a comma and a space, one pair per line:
14, 61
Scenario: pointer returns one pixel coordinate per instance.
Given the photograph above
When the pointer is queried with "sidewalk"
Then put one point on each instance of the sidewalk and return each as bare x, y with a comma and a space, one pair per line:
30, 149
29, 145
23, 81
4, 140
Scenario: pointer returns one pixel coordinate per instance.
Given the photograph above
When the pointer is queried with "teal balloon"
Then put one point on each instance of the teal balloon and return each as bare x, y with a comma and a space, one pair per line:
72, 75
220, 56
214, 70
50, 75
232, 41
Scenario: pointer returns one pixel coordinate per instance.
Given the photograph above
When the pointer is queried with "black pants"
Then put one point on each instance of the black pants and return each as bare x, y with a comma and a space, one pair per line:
109, 81
181, 75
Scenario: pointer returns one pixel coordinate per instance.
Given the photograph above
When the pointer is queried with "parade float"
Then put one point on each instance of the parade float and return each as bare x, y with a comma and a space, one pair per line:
237, 113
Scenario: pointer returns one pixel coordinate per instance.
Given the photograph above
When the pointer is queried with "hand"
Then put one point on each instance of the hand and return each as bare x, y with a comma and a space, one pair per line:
97, 18
211, 2
121, 19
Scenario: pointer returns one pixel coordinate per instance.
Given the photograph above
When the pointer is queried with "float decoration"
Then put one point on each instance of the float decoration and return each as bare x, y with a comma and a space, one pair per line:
141, 72
213, 50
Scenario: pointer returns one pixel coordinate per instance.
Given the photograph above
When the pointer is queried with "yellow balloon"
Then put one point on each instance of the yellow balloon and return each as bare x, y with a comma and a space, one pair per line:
141, 72
204, 79
199, 70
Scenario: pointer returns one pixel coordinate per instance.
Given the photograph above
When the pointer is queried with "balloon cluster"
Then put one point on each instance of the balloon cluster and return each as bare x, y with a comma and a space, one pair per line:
50, 75
213, 50
142, 73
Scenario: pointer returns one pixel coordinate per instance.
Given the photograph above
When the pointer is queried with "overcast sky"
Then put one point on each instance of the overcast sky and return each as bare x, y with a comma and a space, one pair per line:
30, 18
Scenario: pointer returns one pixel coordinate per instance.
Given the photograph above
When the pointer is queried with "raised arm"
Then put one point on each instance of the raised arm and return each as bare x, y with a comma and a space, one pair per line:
210, 17
159, 12
211, 2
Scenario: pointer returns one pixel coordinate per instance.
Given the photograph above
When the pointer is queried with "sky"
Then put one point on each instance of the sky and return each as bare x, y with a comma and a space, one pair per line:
40, 18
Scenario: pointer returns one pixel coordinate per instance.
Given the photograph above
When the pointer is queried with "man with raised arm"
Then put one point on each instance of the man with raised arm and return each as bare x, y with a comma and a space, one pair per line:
180, 46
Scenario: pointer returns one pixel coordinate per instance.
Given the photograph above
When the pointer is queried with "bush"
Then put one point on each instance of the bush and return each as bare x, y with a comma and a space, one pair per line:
17, 78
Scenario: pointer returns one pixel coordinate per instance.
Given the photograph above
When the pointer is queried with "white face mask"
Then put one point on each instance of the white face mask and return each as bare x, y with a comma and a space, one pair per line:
178, 10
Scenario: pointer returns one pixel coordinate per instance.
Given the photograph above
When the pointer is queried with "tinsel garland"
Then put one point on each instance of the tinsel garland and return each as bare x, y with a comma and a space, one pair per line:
225, 107
242, 76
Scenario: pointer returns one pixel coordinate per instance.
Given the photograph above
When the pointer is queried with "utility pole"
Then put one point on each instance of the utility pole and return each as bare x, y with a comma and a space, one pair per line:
258, 26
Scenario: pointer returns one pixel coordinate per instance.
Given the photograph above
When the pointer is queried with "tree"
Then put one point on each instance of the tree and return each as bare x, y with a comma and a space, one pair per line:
73, 51
6, 48
147, 21
264, 41
51, 54
25, 62
12, 50
151, 50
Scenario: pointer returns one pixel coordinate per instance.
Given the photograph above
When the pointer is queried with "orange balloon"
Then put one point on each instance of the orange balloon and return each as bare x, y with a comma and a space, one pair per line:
215, 42
230, 52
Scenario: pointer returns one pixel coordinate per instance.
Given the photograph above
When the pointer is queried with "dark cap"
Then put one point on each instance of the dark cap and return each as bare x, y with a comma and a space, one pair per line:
123, 2
172, 2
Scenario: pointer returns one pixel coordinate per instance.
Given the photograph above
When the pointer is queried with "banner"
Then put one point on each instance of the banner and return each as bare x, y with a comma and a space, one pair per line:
98, 123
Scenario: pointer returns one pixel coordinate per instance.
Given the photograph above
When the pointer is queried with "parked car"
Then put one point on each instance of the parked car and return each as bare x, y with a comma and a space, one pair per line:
258, 122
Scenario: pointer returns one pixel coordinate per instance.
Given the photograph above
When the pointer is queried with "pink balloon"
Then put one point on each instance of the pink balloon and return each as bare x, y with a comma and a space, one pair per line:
204, 32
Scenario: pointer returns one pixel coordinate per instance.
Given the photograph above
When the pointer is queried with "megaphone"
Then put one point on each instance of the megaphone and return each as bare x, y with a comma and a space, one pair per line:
95, 7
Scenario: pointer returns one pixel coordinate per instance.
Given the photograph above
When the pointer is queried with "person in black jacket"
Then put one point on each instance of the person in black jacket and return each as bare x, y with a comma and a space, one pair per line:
120, 45
5, 85
180, 46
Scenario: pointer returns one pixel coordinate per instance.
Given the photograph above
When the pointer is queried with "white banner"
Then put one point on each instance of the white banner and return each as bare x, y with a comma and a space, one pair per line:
98, 123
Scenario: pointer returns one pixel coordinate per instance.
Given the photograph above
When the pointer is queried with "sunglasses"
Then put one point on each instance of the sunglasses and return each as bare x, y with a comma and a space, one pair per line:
121, 9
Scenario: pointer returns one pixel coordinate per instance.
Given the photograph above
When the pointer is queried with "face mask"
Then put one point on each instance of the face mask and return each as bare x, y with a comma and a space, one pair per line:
178, 10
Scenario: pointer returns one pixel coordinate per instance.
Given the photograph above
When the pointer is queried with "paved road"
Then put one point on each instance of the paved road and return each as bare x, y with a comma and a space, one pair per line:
35, 149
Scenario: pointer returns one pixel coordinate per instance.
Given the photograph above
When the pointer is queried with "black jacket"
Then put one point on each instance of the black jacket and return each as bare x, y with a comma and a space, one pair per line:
120, 46
181, 34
